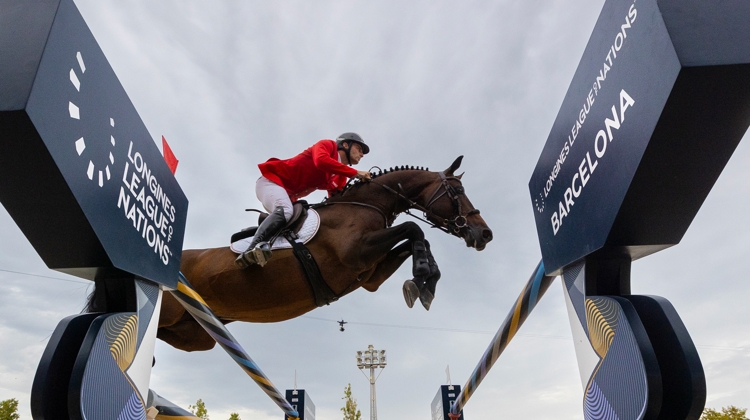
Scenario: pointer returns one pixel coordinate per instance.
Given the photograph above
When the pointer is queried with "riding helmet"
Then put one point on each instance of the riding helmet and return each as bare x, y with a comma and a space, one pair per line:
352, 137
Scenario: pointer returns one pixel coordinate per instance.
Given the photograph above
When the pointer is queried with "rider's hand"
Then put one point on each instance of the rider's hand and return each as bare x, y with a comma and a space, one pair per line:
364, 175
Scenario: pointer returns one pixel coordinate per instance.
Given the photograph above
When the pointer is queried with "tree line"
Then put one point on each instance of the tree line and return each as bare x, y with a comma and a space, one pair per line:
9, 410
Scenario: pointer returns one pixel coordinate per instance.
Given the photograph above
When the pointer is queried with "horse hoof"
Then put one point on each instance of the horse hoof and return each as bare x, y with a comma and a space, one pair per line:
411, 293
426, 299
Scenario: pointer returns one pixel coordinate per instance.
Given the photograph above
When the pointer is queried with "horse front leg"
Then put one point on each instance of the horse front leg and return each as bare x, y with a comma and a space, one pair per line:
427, 284
424, 268
375, 244
421, 287
385, 269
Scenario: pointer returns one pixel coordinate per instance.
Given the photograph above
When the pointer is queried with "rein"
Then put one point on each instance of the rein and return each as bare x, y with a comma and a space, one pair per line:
354, 203
452, 226
326, 203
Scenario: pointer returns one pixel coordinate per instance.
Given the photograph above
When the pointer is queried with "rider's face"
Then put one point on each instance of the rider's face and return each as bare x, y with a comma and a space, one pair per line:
355, 153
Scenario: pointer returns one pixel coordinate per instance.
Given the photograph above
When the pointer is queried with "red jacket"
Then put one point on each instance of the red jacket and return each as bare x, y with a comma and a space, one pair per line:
317, 168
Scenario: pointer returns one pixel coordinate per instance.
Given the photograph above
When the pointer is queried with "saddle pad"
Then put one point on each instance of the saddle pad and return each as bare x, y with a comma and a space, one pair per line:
306, 233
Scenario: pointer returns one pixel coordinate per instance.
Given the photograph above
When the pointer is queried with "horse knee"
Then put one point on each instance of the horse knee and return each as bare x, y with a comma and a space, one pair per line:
371, 287
415, 232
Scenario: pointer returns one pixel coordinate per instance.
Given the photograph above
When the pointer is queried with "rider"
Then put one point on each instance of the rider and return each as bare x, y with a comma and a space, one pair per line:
323, 166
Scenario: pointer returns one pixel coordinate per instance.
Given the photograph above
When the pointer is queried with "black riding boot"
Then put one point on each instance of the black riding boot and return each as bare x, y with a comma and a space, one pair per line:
259, 251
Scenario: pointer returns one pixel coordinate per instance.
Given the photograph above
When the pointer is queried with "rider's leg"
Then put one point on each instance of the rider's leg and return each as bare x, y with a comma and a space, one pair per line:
274, 199
259, 251
272, 195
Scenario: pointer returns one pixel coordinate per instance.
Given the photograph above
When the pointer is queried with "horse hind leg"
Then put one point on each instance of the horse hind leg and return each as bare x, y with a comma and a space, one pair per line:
186, 335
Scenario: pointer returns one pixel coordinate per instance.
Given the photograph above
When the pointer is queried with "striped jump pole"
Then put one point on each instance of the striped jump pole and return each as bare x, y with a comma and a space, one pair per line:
195, 305
534, 290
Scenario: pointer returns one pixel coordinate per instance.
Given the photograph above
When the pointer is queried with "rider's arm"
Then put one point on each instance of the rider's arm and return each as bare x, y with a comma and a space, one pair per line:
321, 156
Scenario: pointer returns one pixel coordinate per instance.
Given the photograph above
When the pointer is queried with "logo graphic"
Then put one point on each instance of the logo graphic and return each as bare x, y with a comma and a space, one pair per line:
98, 167
537, 201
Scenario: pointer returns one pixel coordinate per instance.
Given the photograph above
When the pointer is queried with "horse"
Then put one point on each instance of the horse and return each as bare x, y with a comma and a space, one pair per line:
356, 246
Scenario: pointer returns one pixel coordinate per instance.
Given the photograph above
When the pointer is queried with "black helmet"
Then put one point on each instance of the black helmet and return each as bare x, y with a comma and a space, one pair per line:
352, 137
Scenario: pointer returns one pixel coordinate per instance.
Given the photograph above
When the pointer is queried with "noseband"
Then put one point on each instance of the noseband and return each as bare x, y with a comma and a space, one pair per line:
454, 225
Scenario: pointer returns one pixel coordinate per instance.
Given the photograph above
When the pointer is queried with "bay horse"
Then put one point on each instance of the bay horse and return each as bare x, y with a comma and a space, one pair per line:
356, 246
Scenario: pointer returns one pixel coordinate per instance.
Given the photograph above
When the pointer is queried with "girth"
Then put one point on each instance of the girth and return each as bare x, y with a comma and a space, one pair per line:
322, 293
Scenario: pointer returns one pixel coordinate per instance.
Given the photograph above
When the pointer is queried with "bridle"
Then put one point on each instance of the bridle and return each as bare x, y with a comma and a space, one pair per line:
454, 225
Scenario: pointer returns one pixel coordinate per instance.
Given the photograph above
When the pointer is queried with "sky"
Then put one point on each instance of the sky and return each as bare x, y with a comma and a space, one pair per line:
232, 83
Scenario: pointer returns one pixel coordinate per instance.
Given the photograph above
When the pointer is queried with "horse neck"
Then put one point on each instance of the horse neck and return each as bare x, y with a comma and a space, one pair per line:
413, 184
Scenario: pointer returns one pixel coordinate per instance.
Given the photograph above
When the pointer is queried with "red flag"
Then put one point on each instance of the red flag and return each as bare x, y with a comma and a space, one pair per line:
169, 156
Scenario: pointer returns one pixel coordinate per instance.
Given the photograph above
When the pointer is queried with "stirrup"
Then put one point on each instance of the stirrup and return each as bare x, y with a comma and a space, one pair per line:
256, 255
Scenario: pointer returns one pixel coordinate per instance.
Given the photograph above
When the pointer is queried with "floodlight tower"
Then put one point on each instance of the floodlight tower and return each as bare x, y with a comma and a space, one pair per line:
372, 359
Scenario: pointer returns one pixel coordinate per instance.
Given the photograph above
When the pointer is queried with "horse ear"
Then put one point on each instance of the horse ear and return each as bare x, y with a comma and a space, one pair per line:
460, 176
456, 163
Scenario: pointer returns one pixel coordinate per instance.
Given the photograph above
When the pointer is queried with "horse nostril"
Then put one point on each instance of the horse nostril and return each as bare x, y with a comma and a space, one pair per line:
487, 234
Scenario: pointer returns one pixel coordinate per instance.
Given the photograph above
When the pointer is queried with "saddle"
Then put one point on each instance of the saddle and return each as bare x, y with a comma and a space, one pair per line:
322, 293
299, 215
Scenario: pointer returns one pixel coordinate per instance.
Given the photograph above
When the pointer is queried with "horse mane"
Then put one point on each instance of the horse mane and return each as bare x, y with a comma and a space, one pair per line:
381, 172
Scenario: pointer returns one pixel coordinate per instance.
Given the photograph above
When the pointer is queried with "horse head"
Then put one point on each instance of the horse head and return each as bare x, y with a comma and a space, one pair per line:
450, 208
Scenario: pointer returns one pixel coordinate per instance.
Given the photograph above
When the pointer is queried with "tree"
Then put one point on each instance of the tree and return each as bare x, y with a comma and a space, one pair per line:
350, 408
199, 409
9, 409
727, 413
234, 416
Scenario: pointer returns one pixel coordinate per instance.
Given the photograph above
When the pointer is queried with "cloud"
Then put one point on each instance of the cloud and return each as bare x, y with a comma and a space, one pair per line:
233, 83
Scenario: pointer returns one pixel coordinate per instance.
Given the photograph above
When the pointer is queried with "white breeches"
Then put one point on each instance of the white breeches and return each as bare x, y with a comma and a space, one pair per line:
273, 195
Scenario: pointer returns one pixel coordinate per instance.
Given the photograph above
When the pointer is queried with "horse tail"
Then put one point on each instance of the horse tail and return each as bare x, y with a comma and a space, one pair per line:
112, 295
90, 305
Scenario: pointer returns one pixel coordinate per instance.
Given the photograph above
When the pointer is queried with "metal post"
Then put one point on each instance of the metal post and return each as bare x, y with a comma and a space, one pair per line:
373, 405
372, 359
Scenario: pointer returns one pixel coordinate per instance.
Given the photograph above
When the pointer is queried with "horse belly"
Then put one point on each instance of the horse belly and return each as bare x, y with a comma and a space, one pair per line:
276, 292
